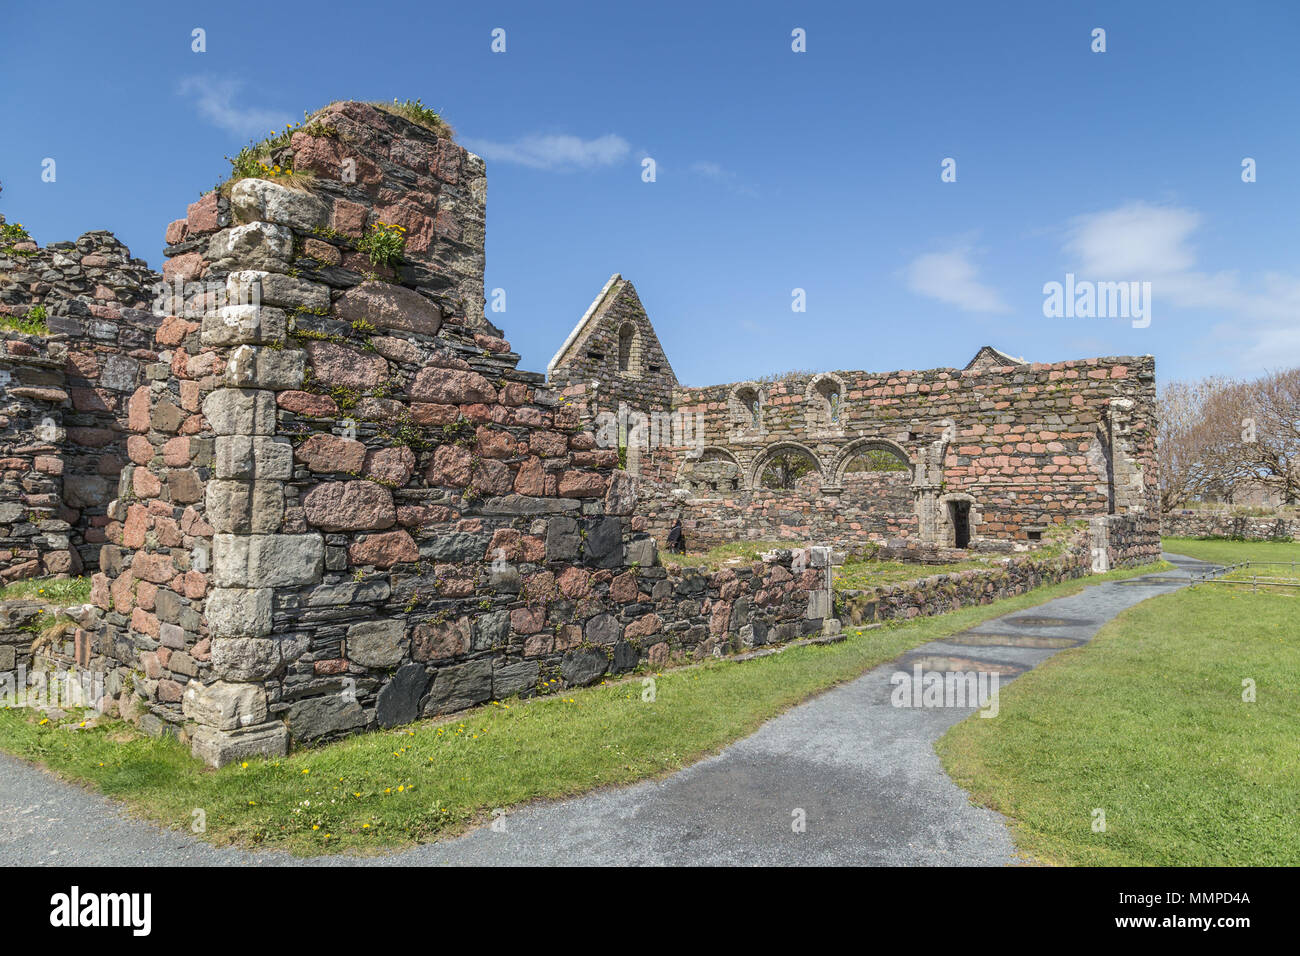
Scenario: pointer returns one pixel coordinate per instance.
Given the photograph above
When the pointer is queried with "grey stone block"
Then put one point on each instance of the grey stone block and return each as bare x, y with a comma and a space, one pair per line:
225, 706
241, 507
458, 687
379, 644
267, 560
217, 748
239, 612
583, 665
399, 700
237, 411
243, 324
517, 677
318, 717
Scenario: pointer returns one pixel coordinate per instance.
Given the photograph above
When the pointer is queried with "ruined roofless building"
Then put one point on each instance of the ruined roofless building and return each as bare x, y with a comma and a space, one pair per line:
989, 456
344, 507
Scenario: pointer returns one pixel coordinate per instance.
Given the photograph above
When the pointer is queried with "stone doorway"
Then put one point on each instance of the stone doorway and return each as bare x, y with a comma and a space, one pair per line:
959, 514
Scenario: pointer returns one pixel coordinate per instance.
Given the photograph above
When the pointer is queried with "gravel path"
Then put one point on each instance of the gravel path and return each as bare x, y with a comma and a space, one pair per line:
862, 774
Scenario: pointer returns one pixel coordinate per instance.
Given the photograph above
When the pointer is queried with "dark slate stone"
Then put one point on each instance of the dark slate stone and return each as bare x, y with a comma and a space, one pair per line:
491, 630
603, 629
561, 539
626, 657
740, 613
454, 548
458, 687
519, 677
604, 543
583, 665
320, 716
399, 701
505, 580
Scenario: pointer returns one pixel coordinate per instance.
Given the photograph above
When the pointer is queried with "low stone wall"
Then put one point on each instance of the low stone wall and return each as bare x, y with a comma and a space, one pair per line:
1120, 541
941, 593
1221, 524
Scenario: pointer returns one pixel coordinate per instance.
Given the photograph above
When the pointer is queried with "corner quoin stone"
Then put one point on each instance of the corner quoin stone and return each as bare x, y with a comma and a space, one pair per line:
267, 560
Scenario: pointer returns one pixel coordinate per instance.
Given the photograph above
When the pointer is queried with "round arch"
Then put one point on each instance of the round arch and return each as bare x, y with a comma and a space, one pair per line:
707, 453
818, 408
764, 458
860, 445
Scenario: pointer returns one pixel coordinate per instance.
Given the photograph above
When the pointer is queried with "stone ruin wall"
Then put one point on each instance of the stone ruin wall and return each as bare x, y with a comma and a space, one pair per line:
1224, 524
62, 443
1030, 447
346, 508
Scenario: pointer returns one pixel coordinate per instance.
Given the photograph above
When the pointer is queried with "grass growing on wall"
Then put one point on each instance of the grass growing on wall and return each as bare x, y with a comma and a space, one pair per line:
60, 591
390, 789
33, 323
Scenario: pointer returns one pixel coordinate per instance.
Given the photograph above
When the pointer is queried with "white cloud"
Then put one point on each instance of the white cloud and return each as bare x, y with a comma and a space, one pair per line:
555, 151
1147, 243
951, 277
214, 99
1136, 241
715, 172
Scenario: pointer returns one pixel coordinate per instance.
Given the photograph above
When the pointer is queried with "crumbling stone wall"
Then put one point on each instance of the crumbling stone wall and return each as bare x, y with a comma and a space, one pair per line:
345, 506
941, 593
34, 530
101, 332
1025, 446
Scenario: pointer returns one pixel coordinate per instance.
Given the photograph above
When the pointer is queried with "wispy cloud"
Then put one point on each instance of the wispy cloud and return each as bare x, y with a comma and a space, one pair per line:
952, 277
214, 98
1153, 243
557, 152
720, 175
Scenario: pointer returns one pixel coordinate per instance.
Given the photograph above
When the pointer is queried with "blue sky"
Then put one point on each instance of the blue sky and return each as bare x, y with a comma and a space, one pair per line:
776, 170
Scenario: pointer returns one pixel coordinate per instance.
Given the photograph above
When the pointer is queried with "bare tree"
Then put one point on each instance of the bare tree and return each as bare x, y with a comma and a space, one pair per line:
1197, 443
1269, 448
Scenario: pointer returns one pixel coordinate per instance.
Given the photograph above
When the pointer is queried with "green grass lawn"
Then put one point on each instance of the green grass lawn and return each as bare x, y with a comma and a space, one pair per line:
390, 789
1147, 723
1231, 552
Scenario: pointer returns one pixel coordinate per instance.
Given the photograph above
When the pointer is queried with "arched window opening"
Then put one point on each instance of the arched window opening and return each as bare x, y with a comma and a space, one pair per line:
825, 397
751, 408
787, 469
625, 335
876, 460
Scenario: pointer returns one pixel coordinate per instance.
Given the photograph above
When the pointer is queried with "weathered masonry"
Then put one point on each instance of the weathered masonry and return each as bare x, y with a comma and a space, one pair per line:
986, 457
323, 498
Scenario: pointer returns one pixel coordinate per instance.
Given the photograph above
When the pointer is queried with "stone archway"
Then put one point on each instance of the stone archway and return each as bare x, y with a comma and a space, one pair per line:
861, 445
715, 470
768, 454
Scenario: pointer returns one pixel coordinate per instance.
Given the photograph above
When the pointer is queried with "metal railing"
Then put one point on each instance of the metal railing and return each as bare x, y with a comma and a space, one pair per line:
1215, 575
